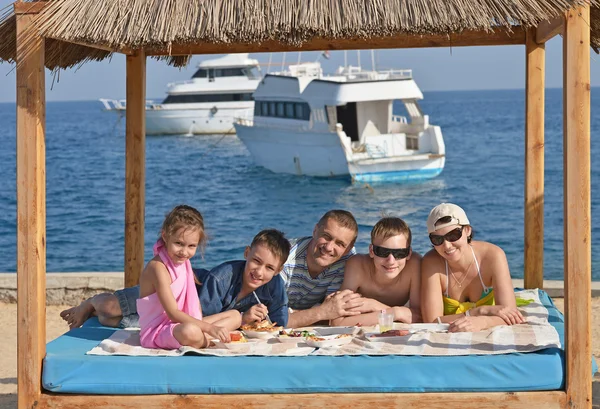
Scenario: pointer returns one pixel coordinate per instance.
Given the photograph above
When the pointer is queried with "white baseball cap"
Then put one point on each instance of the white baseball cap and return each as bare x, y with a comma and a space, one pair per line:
458, 215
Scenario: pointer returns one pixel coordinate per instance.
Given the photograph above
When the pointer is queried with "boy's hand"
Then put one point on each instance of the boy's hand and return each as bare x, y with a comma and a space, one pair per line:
368, 305
407, 315
219, 333
256, 313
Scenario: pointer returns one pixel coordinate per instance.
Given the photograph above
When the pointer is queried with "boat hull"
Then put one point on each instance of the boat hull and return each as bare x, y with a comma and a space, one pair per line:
321, 154
196, 121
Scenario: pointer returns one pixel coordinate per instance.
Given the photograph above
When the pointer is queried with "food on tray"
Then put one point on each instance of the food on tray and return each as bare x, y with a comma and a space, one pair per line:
263, 326
237, 337
343, 336
315, 338
393, 333
296, 333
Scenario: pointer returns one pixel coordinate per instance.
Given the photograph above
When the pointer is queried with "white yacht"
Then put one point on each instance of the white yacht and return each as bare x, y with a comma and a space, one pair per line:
342, 125
219, 90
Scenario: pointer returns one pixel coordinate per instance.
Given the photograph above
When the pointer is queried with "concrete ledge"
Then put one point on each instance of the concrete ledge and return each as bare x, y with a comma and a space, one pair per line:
72, 288
65, 288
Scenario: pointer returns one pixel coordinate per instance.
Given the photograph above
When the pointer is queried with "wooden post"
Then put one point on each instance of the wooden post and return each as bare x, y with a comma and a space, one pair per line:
534, 161
31, 212
577, 215
135, 160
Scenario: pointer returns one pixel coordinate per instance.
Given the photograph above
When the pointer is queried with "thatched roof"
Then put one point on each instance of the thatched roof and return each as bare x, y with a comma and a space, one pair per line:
131, 24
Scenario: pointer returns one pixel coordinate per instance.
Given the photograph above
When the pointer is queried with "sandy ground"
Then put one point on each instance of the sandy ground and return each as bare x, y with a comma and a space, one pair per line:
55, 327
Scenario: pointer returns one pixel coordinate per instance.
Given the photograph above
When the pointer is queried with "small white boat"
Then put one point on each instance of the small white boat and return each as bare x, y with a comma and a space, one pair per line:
220, 90
342, 125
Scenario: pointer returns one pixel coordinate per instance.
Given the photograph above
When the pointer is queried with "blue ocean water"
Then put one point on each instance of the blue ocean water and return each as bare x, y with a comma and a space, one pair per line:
484, 136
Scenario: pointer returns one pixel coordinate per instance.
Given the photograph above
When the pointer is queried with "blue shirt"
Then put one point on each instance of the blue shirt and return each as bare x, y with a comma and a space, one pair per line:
221, 286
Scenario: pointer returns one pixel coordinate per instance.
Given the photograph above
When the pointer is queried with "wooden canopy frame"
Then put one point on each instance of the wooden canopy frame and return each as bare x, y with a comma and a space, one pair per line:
31, 213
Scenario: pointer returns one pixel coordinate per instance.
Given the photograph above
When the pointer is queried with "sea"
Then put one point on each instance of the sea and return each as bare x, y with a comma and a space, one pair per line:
484, 173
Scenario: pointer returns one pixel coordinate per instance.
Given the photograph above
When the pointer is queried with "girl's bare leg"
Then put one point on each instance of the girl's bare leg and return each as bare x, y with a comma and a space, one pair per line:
230, 320
190, 335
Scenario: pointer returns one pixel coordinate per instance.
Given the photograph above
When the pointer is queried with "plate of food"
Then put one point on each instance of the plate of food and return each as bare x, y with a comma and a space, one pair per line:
262, 330
238, 343
415, 328
326, 341
324, 331
293, 336
392, 335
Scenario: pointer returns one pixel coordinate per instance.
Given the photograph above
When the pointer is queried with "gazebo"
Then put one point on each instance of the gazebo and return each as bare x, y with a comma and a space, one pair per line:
64, 33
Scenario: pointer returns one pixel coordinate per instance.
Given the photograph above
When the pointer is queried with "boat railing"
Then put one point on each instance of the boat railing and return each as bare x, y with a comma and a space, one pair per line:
121, 104
355, 74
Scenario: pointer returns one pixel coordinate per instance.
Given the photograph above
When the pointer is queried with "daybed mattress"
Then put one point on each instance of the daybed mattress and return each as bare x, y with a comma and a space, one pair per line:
67, 369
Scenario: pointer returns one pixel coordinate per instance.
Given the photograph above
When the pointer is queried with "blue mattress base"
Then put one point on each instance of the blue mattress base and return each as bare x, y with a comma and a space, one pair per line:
68, 370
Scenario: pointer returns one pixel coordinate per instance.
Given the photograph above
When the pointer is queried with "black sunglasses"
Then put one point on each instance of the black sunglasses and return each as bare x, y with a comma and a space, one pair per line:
398, 254
451, 236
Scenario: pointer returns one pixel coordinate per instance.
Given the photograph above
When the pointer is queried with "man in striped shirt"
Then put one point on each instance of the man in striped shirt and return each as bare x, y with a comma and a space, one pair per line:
314, 271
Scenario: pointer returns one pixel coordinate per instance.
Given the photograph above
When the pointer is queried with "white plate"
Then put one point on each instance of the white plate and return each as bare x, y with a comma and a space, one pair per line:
414, 328
238, 346
330, 341
325, 331
373, 337
260, 334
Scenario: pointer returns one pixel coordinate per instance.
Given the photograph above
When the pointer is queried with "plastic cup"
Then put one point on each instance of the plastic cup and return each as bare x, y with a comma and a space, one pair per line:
386, 321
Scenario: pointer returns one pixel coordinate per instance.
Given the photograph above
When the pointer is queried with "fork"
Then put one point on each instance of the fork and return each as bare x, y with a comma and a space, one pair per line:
258, 300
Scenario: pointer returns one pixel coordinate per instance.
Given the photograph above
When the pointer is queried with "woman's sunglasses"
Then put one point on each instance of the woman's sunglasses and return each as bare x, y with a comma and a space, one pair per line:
451, 236
398, 254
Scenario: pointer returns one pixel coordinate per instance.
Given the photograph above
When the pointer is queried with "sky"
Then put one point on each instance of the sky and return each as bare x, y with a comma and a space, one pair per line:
434, 69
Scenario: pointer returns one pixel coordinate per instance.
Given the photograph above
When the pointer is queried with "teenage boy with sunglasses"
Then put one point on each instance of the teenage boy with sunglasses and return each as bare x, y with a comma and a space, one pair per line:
387, 278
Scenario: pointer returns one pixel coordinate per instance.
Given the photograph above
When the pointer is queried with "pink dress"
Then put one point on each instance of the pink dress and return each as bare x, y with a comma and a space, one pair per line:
156, 327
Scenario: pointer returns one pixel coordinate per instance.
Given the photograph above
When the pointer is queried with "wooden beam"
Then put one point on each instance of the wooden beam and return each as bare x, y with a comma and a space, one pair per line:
577, 214
488, 400
97, 46
548, 29
135, 162
30, 7
466, 38
31, 213
535, 56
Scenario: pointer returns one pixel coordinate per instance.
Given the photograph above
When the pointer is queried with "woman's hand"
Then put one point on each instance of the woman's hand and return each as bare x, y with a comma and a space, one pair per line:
256, 313
468, 324
219, 333
510, 315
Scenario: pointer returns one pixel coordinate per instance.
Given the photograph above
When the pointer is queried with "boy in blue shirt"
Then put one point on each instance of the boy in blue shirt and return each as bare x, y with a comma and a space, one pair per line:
226, 287
231, 285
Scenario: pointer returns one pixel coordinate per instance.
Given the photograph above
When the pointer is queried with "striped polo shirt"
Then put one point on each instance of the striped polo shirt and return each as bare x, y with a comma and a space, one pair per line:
303, 291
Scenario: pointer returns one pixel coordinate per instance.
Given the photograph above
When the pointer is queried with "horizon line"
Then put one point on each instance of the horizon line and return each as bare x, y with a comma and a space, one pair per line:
424, 91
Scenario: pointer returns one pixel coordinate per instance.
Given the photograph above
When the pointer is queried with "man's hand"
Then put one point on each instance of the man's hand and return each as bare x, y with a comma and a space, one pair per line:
256, 313
219, 333
341, 304
510, 315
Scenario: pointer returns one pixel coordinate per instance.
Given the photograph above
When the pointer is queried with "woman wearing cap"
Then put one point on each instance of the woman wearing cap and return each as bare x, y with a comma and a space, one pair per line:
465, 283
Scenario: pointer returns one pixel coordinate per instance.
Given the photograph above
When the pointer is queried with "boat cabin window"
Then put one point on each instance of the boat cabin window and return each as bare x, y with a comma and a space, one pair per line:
212, 73
251, 72
201, 73
280, 110
195, 98
289, 110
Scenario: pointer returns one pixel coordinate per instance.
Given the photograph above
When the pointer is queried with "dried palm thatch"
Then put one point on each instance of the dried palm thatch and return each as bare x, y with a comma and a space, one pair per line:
132, 24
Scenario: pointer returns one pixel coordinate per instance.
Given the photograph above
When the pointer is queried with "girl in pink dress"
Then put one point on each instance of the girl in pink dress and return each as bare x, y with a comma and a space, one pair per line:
169, 308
